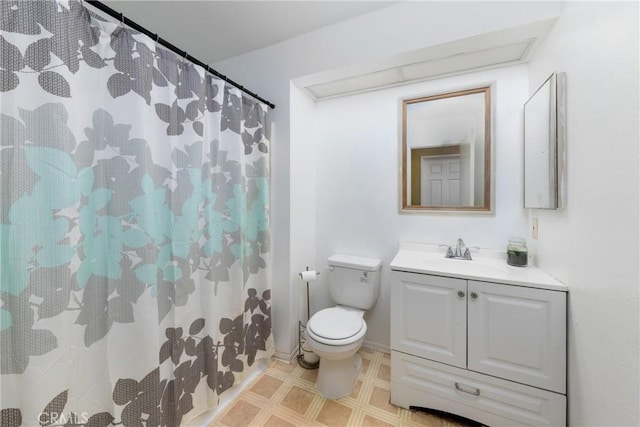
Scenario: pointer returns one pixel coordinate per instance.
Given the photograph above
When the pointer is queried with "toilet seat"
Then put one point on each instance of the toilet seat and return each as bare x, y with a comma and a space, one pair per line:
336, 326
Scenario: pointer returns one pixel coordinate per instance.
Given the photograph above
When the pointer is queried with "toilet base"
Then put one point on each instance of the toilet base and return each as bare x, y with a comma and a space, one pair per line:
336, 378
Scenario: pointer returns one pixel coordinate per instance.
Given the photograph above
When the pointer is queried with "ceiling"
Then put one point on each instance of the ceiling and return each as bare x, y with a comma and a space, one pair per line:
215, 30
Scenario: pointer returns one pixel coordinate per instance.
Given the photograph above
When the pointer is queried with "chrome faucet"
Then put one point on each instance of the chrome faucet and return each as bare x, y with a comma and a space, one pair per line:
461, 251
459, 247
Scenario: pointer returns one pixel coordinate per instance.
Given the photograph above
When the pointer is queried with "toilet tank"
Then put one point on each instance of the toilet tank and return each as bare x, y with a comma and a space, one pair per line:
354, 281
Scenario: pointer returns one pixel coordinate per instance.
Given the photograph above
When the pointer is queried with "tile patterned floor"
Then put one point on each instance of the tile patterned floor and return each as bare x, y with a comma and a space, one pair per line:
285, 396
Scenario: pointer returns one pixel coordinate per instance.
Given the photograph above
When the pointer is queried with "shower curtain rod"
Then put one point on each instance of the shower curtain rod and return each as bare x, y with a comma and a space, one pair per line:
119, 16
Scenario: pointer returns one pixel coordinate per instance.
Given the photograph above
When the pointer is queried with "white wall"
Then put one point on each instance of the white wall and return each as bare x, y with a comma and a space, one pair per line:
357, 181
303, 207
592, 244
400, 28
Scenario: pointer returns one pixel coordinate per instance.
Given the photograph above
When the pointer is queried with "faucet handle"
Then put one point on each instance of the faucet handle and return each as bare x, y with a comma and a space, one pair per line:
449, 253
467, 254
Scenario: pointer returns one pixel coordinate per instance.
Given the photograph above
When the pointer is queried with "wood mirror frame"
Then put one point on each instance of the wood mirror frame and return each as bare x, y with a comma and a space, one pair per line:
462, 143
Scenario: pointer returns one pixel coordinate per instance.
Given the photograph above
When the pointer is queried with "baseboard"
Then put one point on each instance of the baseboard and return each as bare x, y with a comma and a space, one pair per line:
286, 357
375, 346
290, 357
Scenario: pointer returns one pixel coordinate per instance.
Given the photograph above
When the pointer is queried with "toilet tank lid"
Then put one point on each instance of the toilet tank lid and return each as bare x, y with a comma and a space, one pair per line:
357, 262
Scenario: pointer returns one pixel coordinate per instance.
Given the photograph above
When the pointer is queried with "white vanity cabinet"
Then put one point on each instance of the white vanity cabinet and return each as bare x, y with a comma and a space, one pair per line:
487, 344
419, 300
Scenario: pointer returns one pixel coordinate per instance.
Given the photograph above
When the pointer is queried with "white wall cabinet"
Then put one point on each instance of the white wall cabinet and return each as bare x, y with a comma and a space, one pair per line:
489, 351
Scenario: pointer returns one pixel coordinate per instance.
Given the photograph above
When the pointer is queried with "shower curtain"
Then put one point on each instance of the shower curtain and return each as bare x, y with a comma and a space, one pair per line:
134, 225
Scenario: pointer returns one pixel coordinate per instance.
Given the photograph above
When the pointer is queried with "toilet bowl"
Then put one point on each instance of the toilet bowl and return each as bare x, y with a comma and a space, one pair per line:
335, 335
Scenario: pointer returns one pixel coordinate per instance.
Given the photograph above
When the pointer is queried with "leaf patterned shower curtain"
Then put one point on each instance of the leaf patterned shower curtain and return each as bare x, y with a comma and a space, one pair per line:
134, 225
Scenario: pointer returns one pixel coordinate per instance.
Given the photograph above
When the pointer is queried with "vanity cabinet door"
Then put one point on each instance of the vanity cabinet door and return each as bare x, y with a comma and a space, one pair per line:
518, 333
429, 317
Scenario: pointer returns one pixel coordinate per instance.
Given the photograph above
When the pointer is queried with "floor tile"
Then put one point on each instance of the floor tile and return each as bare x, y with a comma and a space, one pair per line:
356, 389
426, 419
310, 375
285, 395
365, 365
334, 414
384, 372
284, 367
298, 399
370, 421
380, 399
240, 414
266, 386
275, 421
367, 353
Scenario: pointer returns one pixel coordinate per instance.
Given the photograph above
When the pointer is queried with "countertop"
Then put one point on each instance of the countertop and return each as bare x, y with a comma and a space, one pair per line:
487, 265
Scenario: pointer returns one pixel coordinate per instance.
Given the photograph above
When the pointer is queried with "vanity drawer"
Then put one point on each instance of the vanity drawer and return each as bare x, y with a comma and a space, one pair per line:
489, 400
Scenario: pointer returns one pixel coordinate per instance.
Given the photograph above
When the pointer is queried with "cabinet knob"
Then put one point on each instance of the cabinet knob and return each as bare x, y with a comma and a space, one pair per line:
474, 295
460, 294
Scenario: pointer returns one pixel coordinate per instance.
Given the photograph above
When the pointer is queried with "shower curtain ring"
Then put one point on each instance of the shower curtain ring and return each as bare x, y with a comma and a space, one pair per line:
121, 19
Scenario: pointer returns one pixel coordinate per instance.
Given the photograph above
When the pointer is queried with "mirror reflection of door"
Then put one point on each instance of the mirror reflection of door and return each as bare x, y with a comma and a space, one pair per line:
442, 176
440, 181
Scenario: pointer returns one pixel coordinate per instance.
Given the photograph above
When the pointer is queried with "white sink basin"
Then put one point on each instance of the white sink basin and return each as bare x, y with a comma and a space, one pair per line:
474, 267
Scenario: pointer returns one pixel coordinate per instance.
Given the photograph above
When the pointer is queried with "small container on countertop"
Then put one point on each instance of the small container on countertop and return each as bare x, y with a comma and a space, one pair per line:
517, 252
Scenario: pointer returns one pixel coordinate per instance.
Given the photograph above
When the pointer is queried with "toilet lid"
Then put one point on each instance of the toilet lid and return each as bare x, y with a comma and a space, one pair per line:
335, 324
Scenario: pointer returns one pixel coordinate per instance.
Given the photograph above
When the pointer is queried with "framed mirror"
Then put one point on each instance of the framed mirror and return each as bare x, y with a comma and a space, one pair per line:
446, 152
544, 146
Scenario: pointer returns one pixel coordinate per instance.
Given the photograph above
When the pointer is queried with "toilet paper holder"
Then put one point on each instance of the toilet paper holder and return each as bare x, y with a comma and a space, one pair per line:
307, 276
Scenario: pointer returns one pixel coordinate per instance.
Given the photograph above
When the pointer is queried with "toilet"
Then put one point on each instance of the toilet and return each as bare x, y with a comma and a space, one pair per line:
336, 334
